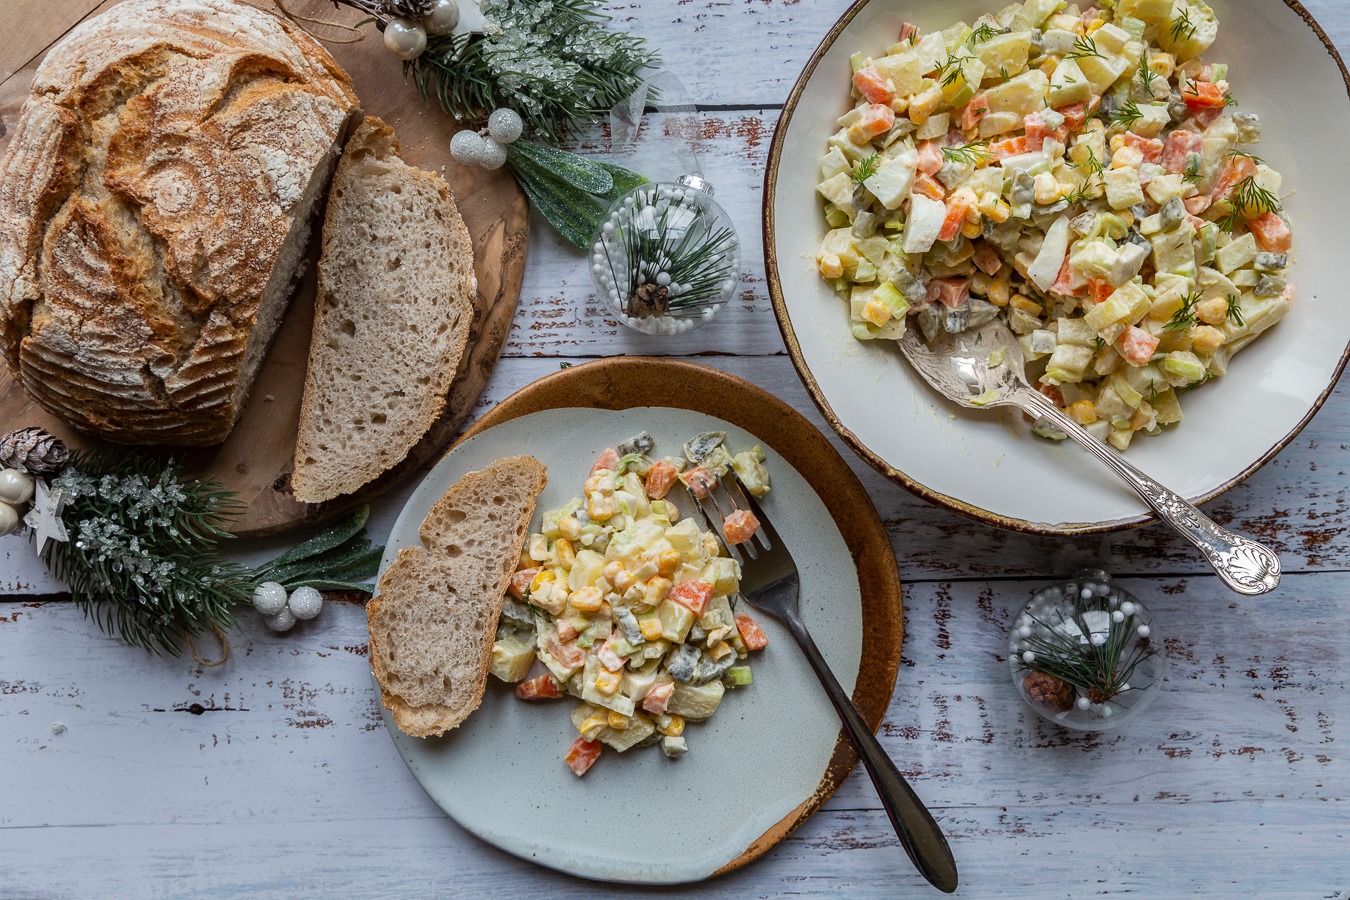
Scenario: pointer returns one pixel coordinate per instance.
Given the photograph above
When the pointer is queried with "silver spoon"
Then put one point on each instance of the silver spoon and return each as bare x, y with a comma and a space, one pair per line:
958, 367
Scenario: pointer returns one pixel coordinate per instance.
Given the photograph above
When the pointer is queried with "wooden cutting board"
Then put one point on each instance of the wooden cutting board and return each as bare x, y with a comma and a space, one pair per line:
256, 459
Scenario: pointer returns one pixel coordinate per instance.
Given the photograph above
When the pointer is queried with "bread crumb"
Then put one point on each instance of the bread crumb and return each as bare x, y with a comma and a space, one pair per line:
268, 398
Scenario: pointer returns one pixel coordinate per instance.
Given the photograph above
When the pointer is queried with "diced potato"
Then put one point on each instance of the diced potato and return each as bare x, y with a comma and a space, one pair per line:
1122, 188
1126, 304
1069, 85
676, 620
616, 701
1021, 95
512, 657
695, 702
1237, 254
894, 178
1068, 363
1188, 42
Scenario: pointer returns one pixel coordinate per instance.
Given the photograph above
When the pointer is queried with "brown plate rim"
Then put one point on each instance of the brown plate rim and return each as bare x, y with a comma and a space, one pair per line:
625, 382
969, 510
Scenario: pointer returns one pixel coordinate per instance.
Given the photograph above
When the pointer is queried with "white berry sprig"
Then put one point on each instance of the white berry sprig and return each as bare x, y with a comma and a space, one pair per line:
487, 148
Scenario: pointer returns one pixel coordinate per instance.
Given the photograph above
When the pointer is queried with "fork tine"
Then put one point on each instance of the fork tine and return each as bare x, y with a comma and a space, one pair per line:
767, 534
747, 548
713, 526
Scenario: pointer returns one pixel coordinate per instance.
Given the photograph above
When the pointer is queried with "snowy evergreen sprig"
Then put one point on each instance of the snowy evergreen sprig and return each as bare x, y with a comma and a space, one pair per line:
552, 61
141, 556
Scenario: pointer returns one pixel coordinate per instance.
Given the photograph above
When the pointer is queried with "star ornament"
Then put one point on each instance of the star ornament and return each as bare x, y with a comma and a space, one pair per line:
45, 516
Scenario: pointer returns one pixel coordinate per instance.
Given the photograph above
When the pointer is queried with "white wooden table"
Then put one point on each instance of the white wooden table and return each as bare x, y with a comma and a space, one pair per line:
125, 775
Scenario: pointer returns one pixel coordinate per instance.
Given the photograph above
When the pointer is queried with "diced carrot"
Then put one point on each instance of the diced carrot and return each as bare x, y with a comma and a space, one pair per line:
567, 631
876, 119
1196, 222
928, 186
520, 581
1075, 115
1288, 293
909, 31
660, 479
1197, 204
1137, 345
952, 292
1069, 283
986, 258
608, 460
1207, 117
1179, 146
974, 111
1272, 234
657, 698
1010, 147
1053, 392
568, 655
582, 755
957, 207
545, 687
1202, 95
1150, 148
739, 526
1099, 290
1037, 131
877, 88
751, 634
930, 157
700, 481
1235, 168
693, 595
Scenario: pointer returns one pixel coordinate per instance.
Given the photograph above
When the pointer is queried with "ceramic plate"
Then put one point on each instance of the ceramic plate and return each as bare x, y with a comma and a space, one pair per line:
772, 753
988, 465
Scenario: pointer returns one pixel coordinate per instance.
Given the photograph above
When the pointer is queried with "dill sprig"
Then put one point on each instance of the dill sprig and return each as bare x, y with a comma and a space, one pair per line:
1235, 311
1184, 317
552, 61
1192, 173
1249, 200
985, 32
1083, 48
1124, 115
972, 153
867, 168
1183, 29
1236, 151
952, 68
1146, 74
141, 559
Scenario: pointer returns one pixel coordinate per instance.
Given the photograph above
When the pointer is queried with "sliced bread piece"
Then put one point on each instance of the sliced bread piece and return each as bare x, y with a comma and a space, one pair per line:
395, 302
434, 614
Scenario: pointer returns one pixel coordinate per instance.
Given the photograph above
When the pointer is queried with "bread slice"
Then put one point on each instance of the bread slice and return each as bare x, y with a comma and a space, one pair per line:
434, 614
391, 321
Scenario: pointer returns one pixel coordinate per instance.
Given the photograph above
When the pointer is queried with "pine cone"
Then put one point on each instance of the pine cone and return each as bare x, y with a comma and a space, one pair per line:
1045, 688
406, 9
33, 450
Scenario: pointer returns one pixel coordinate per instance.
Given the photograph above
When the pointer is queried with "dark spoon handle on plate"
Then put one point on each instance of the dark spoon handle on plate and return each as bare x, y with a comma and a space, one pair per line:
918, 833
1246, 566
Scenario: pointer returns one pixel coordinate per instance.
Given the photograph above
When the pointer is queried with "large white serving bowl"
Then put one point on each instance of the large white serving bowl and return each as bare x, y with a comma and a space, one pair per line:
988, 465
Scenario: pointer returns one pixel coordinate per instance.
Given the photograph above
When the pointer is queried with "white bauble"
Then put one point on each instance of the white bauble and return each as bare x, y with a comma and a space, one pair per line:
404, 38
282, 621
494, 154
269, 598
305, 603
467, 147
15, 487
505, 125
10, 520
443, 18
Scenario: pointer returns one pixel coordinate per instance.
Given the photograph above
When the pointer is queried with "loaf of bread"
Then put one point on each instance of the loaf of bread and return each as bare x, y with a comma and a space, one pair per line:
155, 205
395, 302
434, 614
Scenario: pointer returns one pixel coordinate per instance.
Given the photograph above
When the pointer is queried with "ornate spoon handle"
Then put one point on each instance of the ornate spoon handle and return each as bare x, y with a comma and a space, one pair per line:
1244, 565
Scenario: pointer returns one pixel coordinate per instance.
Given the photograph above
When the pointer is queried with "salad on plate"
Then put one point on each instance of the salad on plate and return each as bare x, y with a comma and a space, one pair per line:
630, 607
1082, 173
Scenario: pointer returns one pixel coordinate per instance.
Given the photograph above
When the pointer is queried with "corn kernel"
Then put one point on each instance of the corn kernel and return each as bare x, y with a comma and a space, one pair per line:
1117, 141
1084, 412
1205, 339
972, 230
618, 721
1094, 25
1000, 289
1162, 64
569, 527
1213, 311
607, 682
591, 727
670, 724
710, 544
831, 266
651, 628
599, 484
899, 105
1049, 66
1048, 190
563, 553
720, 649
996, 210
923, 104
1026, 304
658, 589
541, 578
588, 599
599, 507
668, 562
876, 312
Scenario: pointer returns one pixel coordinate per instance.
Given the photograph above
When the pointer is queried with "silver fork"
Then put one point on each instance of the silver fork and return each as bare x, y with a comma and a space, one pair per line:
769, 581
984, 367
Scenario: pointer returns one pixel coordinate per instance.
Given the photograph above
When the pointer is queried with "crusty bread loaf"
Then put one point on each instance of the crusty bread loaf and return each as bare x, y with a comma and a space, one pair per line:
154, 210
395, 302
434, 614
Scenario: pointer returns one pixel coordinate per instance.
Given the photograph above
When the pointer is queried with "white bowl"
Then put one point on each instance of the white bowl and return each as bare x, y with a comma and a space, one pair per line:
987, 465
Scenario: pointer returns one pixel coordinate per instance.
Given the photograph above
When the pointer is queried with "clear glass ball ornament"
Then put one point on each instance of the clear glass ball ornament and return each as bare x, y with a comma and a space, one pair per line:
1084, 653
666, 257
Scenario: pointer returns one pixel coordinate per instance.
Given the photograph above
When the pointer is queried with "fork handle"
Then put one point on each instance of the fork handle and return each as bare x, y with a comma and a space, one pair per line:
1246, 566
918, 833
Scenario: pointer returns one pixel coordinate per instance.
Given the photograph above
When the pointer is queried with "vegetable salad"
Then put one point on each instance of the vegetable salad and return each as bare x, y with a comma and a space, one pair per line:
630, 607
1082, 173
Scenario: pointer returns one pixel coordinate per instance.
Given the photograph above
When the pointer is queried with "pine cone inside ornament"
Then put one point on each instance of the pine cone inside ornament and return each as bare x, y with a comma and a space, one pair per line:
649, 300
1049, 690
33, 450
